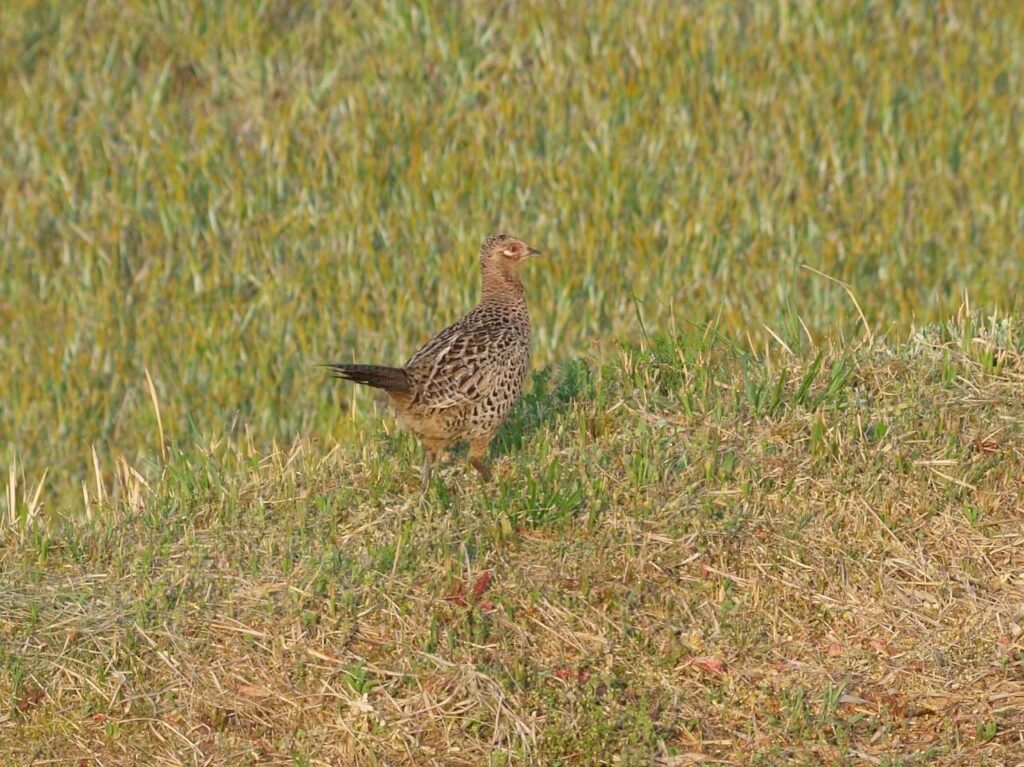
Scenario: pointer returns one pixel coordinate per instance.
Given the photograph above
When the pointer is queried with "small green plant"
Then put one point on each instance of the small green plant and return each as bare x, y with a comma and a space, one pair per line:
986, 731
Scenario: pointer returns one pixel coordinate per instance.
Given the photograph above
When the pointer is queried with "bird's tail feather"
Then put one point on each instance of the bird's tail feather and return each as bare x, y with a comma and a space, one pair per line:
378, 376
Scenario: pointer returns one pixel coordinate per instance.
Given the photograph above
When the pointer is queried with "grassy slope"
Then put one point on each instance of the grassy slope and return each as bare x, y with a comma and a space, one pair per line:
691, 553
688, 553
282, 183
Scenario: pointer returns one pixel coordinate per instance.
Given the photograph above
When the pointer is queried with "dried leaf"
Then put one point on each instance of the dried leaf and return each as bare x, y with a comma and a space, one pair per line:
852, 700
251, 691
566, 673
481, 583
708, 663
30, 698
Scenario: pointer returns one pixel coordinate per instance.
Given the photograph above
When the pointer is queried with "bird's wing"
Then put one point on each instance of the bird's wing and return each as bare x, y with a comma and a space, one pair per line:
459, 365
437, 345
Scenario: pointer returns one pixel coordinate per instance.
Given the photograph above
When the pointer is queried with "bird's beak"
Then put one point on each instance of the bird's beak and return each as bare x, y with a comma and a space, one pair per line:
534, 252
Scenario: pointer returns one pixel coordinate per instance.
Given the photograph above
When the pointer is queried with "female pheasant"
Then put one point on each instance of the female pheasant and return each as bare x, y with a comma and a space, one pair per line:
461, 385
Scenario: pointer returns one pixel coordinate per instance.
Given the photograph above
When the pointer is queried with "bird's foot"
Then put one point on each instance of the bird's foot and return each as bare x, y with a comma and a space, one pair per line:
481, 466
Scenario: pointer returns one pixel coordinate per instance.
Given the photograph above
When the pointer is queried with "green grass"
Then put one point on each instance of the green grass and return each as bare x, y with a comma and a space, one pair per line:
224, 194
761, 503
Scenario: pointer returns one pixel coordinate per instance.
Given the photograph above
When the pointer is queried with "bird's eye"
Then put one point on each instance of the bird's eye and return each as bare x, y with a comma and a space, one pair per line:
511, 252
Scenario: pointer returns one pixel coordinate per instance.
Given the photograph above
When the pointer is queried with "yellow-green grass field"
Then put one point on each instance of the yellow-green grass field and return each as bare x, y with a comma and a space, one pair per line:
762, 503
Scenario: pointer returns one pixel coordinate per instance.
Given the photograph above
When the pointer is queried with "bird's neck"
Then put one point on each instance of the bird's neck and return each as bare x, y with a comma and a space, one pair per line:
500, 286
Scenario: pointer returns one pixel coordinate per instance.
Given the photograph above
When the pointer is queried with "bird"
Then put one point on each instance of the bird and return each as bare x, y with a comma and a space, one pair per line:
461, 384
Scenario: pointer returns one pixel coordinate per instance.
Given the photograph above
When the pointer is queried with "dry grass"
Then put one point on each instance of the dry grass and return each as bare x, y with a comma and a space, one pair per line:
691, 556
289, 183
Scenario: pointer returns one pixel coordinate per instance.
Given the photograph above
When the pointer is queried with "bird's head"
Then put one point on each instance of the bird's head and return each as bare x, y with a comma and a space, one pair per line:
505, 252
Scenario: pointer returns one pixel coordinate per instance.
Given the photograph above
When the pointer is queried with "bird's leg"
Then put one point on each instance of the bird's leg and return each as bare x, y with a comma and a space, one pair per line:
478, 457
428, 459
432, 449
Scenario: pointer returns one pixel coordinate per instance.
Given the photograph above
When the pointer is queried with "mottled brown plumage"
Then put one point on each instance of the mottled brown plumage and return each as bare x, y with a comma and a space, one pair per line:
461, 385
